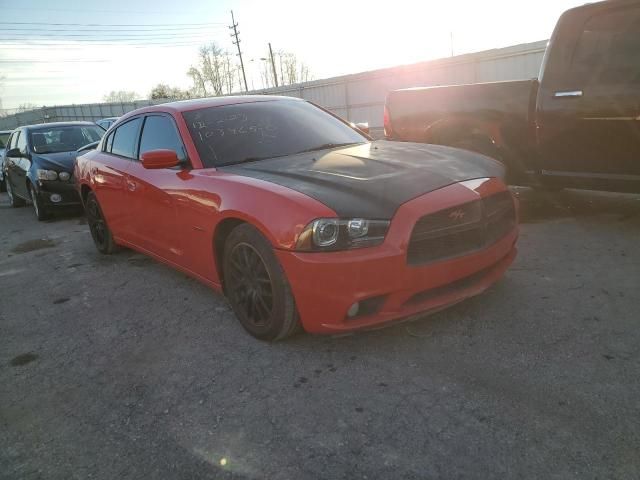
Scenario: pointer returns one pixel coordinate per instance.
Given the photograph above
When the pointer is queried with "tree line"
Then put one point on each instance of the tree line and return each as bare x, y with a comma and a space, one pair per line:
217, 73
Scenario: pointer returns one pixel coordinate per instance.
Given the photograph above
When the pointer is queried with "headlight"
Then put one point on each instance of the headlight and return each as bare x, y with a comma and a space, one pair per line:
46, 174
64, 176
330, 234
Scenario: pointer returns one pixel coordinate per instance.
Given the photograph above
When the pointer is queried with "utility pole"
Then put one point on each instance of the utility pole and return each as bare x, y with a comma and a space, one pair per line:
273, 65
235, 33
451, 38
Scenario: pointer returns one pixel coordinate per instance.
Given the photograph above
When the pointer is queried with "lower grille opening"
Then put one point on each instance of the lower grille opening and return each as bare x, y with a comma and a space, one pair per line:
461, 284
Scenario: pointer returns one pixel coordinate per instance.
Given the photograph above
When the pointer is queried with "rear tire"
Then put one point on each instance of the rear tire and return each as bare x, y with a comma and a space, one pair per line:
40, 210
257, 287
102, 237
14, 201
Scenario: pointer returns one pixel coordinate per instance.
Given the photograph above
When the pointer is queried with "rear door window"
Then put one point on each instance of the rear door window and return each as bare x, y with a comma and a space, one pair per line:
125, 139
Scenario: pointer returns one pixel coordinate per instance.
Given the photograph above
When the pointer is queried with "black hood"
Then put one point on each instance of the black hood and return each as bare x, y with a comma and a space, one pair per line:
371, 180
62, 161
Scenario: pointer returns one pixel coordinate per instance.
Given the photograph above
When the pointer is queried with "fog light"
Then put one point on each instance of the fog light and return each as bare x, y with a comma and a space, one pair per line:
55, 198
353, 310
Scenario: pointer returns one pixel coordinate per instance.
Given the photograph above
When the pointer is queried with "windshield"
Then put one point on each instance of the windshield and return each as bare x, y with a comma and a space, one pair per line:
3, 139
232, 134
64, 139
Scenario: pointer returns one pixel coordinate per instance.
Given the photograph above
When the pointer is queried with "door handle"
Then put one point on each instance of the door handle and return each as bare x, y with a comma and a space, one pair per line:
131, 186
568, 94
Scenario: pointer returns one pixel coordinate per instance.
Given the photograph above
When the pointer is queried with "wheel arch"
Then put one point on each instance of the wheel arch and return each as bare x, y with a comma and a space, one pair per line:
220, 235
229, 221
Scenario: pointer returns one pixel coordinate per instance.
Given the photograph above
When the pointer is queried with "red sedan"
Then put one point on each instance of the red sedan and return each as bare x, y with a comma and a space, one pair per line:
300, 219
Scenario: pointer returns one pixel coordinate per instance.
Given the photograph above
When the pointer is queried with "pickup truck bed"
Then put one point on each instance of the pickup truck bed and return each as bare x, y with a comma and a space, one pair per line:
491, 118
577, 126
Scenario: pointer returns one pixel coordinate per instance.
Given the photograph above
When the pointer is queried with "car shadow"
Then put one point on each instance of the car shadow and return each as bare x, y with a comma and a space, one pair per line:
539, 206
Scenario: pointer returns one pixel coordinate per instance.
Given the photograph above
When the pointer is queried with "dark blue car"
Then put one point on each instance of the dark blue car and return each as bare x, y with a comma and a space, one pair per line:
39, 162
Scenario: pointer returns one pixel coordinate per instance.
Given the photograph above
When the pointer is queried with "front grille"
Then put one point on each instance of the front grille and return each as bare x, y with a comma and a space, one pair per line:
462, 229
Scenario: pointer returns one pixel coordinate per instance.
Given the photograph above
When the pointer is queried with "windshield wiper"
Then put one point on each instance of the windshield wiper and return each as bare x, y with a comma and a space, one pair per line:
325, 146
252, 159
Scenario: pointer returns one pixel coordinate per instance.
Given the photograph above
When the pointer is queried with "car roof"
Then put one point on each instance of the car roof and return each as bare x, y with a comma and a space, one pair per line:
57, 124
196, 104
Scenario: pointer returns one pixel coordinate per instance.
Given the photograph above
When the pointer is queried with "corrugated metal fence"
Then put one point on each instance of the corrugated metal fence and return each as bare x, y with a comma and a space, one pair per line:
358, 97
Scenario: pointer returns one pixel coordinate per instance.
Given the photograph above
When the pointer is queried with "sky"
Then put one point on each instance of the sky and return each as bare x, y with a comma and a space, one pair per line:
134, 44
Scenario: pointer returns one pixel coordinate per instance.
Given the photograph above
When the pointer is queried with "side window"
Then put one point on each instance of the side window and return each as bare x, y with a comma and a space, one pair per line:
108, 142
22, 141
608, 51
125, 138
160, 132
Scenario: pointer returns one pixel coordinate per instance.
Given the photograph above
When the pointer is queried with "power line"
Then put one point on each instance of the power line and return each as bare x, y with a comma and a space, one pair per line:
111, 24
76, 10
60, 46
55, 61
106, 37
116, 30
105, 41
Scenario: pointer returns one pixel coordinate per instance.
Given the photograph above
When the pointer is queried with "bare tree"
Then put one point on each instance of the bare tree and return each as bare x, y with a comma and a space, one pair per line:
215, 74
25, 107
163, 90
121, 96
199, 88
292, 70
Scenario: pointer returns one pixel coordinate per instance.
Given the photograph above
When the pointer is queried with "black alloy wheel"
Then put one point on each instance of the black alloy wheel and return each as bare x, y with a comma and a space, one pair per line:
40, 210
257, 287
14, 201
251, 284
100, 232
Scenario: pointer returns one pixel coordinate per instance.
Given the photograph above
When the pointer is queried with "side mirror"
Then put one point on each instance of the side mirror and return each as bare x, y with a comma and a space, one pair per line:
14, 153
155, 159
363, 127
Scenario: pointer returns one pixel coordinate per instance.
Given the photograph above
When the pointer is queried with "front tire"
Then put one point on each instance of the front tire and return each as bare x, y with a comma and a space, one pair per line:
102, 237
40, 210
257, 287
14, 201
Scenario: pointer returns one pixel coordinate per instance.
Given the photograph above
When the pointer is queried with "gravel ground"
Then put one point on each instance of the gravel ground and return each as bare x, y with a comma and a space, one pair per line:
119, 367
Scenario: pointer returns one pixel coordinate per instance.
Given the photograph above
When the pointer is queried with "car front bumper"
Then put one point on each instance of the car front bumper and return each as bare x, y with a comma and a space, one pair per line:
326, 285
67, 191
